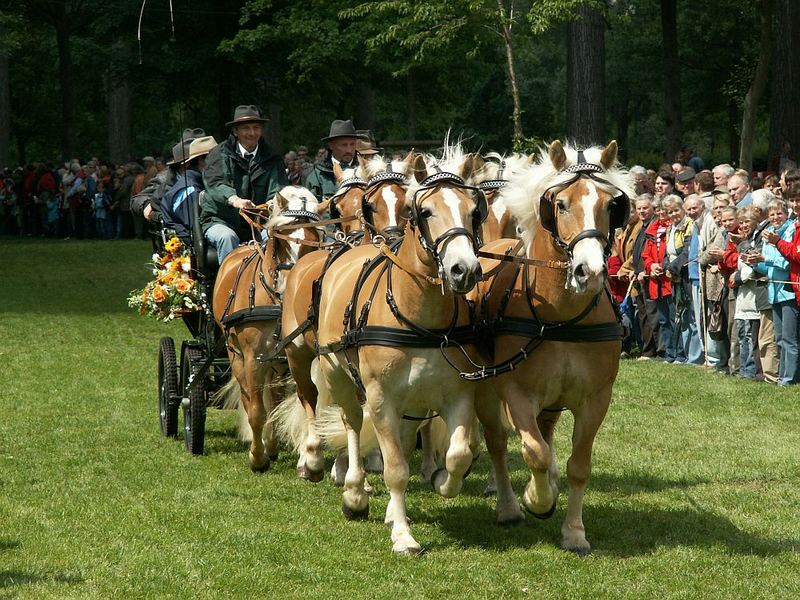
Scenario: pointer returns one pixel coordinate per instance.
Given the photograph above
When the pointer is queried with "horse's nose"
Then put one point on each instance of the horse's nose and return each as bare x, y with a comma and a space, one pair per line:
580, 274
464, 276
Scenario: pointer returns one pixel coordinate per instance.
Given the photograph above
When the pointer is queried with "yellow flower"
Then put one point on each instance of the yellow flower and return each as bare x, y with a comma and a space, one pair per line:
173, 245
159, 295
184, 285
168, 277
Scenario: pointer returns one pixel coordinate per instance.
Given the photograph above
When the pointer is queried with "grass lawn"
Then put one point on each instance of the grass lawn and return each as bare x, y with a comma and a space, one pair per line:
695, 491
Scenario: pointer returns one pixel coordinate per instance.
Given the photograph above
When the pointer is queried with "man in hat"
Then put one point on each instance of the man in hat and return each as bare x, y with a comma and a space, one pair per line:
341, 143
241, 172
684, 182
147, 203
365, 144
176, 205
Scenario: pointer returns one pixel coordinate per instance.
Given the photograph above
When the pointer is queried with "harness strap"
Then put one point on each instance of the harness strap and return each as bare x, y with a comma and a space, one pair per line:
248, 315
278, 349
388, 253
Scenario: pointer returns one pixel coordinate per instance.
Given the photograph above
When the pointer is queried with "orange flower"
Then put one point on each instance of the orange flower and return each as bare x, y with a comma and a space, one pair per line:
159, 295
168, 278
173, 245
183, 285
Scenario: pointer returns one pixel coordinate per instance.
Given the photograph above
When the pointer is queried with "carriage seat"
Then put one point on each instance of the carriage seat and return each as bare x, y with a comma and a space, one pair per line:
205, 255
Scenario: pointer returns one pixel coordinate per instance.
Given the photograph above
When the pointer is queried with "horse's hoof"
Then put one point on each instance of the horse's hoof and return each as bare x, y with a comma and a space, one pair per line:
435, 475
355, 515
309, 475
513, 522
408, 550
262, 468
489, 492
273, 457
544, 515
580, 551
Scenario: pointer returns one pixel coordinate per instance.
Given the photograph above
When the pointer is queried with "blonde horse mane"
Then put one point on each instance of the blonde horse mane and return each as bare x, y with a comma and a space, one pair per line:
296, 197
528, 183
451, 160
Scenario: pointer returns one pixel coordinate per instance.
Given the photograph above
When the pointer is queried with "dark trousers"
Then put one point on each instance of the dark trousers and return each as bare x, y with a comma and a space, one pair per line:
649, 336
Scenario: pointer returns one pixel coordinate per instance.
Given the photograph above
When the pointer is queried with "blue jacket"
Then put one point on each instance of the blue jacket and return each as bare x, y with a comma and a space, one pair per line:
694, 256
176, 203
776, 267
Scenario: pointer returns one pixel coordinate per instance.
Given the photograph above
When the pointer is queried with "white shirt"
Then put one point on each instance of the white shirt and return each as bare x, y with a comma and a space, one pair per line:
243, 152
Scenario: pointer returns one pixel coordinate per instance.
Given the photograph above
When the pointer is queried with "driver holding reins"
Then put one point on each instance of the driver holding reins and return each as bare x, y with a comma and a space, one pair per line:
241, 172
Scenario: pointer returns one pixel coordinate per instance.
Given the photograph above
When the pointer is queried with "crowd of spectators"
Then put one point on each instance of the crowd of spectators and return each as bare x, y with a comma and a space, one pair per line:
92, 199
707, 270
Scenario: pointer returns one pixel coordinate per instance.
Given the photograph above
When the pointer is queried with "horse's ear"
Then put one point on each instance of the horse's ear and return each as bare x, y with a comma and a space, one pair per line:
472, 164
278, 203
557, 155
323, 206
338, 173
530, 159
609, 155
362, 163
419, 167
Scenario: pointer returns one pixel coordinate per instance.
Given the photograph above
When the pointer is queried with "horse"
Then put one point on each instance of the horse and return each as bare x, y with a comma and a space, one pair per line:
400, 350
492, 181
556, 333
247, 307
376, 192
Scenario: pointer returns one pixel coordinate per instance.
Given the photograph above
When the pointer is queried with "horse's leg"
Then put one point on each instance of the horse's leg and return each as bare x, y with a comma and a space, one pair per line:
251, 377
547, 421
539, 497
579, 467
311, 464
459, 414
488, 409
336, 381
428, 451
389, 429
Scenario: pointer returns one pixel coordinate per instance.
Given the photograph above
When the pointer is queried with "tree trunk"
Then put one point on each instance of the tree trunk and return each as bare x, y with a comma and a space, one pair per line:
67, 87
753, 97
411, 99
5, 104
785, 108
512, 74
119, 105
365, 106
672, 78
586, 78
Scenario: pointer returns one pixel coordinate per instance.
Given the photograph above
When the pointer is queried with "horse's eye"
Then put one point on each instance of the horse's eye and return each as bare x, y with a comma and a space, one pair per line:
425, 212
562, 208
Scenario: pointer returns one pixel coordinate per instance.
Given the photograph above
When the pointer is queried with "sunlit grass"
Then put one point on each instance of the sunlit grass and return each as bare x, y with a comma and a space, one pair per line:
694, 492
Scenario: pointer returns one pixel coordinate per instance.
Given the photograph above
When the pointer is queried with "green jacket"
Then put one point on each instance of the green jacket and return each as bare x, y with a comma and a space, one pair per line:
228, 173
321, 181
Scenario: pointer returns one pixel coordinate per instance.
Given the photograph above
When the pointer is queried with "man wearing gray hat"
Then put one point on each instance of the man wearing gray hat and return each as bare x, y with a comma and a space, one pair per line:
241, 172
341, 142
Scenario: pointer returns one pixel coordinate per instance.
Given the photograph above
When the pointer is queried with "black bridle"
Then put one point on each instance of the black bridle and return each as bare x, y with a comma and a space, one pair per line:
367, 208
419, 222
620, 208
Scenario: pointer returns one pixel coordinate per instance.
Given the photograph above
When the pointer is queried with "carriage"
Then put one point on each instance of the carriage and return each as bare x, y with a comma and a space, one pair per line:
187, 383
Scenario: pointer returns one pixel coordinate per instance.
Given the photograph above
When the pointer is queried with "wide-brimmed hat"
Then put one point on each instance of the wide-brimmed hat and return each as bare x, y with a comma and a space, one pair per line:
192, 133
246, 113
685, 175
180, 152
201, 146
365, 148
341, 128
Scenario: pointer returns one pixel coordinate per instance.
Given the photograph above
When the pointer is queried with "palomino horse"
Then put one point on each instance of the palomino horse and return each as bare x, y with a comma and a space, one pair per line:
492, 181
403, 310
375, 191
550, 314
246, 301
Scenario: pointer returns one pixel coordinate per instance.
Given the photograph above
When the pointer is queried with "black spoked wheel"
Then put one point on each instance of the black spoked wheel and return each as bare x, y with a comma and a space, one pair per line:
168, 393
194, 402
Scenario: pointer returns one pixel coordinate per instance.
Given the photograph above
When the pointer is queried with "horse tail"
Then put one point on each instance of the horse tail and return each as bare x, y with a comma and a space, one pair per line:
330, 428
230, 396
291, 422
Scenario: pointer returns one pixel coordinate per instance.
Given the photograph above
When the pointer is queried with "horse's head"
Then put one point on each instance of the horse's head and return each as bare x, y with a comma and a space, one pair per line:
492, 179
346, 202
581, 210
447, 211
569, 202
385, 195
294, 205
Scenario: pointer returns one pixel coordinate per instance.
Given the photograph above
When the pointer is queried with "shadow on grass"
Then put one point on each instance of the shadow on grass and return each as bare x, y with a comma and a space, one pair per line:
9, 545
10, 579
619, 531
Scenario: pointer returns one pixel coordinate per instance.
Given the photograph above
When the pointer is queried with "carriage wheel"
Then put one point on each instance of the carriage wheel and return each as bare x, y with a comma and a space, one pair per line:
168, 392
194, 402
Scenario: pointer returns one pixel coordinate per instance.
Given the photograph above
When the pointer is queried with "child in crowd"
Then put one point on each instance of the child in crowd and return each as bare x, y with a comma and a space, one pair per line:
101, 204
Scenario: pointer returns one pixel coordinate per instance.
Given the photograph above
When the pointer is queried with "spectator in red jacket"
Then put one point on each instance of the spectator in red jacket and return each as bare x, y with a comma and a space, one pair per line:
659, 290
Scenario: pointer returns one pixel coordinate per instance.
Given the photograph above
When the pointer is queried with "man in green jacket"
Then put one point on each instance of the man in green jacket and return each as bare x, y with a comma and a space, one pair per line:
341, 142
240, 172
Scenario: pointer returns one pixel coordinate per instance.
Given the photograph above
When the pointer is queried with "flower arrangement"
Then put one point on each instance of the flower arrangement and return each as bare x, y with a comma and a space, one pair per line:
173, 291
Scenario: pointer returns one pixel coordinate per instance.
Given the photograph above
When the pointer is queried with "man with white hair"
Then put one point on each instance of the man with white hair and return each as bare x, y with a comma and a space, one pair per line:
721, 174
739, 189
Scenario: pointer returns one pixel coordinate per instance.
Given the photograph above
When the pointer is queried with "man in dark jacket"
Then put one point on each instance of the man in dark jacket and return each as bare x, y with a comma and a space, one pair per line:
645, 311
240, 172
341, 142
176, 205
